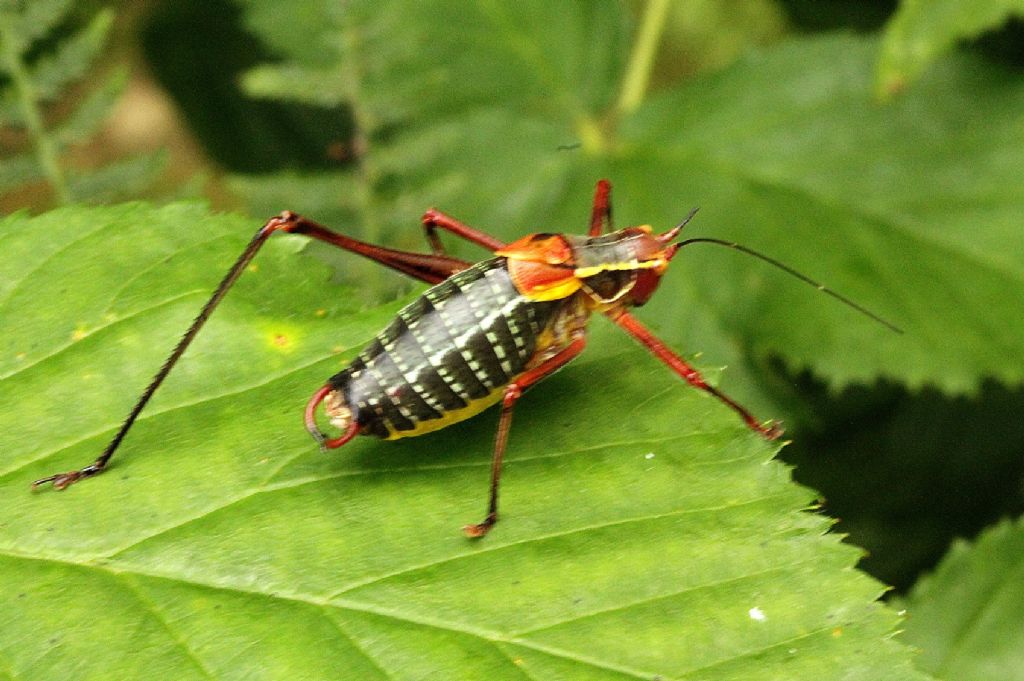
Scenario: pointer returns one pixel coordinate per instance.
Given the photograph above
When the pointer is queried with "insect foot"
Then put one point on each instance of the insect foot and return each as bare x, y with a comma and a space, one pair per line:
772, 430
64, 480
480, 529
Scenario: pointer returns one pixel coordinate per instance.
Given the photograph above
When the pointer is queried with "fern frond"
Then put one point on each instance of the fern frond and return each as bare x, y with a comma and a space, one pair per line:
71, 59
39, 72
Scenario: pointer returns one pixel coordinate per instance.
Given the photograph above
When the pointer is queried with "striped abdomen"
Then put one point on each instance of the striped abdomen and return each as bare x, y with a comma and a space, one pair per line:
446, 356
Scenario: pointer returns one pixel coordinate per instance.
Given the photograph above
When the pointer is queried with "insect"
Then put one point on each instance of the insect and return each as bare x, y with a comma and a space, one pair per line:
482, 334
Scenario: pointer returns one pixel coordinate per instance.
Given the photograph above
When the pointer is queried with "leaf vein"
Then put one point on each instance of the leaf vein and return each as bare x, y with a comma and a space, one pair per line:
155, 613
553, 535
139, 274
324, 610
45, 261
673, 594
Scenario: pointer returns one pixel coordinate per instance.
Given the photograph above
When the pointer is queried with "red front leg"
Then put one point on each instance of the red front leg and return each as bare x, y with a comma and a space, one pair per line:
770, 430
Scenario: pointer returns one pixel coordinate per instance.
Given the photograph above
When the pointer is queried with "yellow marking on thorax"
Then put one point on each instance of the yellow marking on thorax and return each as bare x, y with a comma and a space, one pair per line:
450, 417
584, 272
561, 290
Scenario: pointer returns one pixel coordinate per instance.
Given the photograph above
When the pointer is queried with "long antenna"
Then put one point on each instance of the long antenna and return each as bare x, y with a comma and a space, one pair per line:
799, 275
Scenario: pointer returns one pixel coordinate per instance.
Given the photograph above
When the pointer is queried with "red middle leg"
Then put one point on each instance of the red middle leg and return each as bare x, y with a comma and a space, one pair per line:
512, 393
431, 268
434, 219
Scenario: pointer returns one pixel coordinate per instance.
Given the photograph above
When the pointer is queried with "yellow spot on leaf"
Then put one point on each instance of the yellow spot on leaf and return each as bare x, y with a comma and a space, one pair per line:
837, 632
281, 337
253, 268
79, 333
20, 356
321, 312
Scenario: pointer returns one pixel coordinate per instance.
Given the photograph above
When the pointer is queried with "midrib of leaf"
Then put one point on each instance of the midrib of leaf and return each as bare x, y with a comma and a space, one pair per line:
45, 145
490, 636
953, 650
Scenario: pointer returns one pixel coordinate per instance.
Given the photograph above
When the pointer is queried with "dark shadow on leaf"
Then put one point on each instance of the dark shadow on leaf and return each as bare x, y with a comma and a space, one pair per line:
905, 473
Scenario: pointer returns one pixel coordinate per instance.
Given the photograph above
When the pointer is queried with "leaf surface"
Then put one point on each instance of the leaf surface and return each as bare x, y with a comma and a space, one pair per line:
645, 532
919, 32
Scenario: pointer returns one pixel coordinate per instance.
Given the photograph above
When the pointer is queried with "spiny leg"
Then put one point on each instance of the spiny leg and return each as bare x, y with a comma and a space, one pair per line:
435, 219
512, 393
429, 268
601, 213
770, 430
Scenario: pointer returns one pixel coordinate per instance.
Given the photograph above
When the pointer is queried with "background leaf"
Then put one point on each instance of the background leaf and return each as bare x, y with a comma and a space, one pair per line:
222, 544
909, 208
46, 48
921, 31
966, 617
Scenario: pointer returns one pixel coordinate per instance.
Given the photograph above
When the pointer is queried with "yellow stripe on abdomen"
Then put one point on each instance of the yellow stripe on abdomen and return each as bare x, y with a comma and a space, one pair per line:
454, 416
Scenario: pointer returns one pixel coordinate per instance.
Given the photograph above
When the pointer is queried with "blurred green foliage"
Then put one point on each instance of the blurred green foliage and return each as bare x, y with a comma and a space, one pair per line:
46, 48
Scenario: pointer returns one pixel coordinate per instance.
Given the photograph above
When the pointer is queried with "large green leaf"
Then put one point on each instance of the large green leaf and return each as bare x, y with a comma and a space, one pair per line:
911, 208
646, 533
966, 618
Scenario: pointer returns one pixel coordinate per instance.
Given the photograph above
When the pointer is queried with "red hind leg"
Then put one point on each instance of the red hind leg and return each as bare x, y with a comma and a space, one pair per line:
425, 267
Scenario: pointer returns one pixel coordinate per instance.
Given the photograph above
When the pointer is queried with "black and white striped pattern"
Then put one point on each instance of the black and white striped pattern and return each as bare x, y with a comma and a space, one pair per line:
454, 345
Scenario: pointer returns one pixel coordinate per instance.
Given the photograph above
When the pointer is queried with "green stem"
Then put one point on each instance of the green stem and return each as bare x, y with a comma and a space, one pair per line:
641, 61
45, 147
